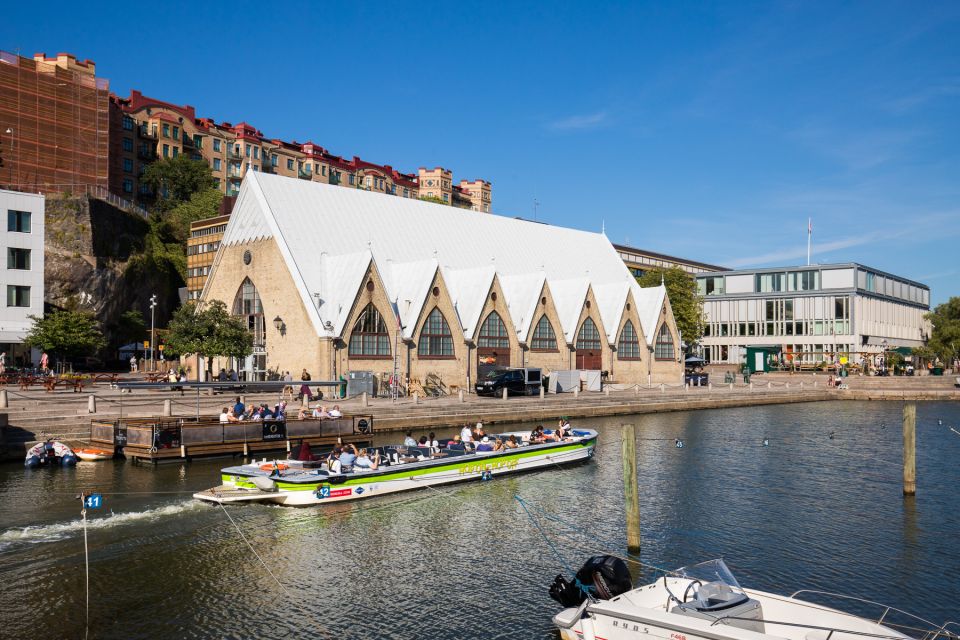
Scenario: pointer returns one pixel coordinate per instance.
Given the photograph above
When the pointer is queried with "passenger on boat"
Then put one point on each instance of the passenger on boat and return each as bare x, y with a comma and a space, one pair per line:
265, 412
466, 435
478, 432
365, 462
320, 412
335, 412
280, 412
562, 431
484, 445
409, 441
422, 442
537, 436
498, 445
239, 408
224, 416
454, 443
303, 413
231, 416
348, 456
256, 414
432, 442
511, 442
334, 465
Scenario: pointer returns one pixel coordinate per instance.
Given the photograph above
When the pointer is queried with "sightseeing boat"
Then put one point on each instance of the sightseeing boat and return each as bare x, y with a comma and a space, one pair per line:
705, 602
299, 483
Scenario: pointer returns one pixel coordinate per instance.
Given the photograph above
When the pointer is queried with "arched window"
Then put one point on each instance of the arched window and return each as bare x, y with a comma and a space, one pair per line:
247, 300
663, 349
588, 339
436, 341
628, 348
544, 339
493, 333
369, 338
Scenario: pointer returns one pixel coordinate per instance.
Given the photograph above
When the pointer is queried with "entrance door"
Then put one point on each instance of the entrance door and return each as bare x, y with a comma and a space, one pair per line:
588, 347
589, 360
758, 357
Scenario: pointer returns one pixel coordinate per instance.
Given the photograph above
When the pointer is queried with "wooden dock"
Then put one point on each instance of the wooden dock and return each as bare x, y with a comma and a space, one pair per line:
167, 439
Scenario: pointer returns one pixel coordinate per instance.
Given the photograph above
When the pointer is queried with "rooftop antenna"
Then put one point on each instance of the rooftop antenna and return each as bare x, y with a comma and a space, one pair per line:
603, 227
809, 236
662, 281
536, 205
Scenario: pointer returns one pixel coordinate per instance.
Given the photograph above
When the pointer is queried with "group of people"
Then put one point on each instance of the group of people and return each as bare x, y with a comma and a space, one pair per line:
240, 412
475, 438
319, 413
348, 458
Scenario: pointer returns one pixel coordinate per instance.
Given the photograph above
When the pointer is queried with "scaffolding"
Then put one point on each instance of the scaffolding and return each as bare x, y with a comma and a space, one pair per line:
54, 123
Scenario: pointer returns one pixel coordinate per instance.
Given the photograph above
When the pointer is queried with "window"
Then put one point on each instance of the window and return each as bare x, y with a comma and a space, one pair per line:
710, 286
216, 164
663, 349
128, 165
198, 141
166, 151
128, 123
273, 160
767, 282
350, 178
323, 169
18, 258
128, 144
216, 144
176, 151
176, 133
127, 185
18, 221
246, 150
588, 338
544, 339
369, 337
493, 333
436, 341
628, 348
289, 164
166, 130
18, 296
256, 153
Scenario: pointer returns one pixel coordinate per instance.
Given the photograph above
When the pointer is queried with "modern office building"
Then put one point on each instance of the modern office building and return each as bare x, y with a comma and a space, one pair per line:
54, 123
23, 283
640, 261
811, 314
336, 281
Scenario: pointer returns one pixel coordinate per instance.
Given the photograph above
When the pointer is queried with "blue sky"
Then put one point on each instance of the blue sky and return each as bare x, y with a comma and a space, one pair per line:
709, 131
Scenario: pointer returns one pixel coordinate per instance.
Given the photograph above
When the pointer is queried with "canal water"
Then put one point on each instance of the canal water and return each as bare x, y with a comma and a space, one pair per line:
819, 507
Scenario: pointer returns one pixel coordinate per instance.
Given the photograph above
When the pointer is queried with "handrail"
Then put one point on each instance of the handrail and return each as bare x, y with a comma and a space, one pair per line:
802, 625
887, 609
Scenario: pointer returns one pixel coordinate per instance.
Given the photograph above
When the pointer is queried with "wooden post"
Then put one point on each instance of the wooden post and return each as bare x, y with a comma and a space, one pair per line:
628, 450
910, 449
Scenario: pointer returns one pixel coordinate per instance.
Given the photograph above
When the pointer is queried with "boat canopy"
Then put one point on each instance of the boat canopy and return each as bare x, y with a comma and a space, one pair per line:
713, 586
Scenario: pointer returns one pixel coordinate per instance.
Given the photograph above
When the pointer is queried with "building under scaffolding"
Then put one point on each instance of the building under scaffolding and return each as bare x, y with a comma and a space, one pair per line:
54, 124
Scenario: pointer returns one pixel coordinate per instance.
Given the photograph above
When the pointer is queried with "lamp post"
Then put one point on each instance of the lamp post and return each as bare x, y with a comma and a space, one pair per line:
153, 306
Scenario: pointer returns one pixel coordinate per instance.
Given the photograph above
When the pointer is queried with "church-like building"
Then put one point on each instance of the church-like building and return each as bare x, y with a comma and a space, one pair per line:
333, 280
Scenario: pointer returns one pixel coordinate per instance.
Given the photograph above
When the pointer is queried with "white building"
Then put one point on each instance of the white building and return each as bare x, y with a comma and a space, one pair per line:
22, 246
816, 313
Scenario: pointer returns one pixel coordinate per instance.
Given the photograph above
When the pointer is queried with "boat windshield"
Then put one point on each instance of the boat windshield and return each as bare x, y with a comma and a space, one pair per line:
713, 586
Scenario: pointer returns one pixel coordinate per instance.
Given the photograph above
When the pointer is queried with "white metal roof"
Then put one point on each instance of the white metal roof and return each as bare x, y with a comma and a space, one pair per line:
329, 235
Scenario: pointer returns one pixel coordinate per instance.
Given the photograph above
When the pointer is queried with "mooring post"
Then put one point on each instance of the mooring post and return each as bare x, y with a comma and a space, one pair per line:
606, 391
460, 395
910, 449
416, 398
4, 403
91, 403
663, 388
365, 402
542, 392
504, 393
167, 407
628, 450
576, 392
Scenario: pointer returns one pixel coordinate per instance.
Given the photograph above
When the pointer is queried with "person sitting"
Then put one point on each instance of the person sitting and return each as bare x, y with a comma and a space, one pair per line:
484, 445
224, 416
265, 412
347, 457
239, 407
422, 442
222, 376
432, 442
409, 440
334, 467
454, 443
281, 410
303, 413
537, 436
256, 414
365, 463
478, 432
498, 445
233, 376
511, 442
562, 431
319, 412
335, 412
831, 382
231, 416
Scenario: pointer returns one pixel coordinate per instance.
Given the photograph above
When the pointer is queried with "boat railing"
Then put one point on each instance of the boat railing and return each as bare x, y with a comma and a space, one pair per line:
829, 630
930, 630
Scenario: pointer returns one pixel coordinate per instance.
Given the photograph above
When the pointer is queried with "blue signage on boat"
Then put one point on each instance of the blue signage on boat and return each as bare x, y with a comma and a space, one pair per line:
93, 501
323, 492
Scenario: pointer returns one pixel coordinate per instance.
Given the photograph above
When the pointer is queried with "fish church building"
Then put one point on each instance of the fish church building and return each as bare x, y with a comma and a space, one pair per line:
335, 281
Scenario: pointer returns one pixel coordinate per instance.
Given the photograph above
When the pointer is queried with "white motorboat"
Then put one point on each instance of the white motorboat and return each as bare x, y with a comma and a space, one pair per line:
705, 602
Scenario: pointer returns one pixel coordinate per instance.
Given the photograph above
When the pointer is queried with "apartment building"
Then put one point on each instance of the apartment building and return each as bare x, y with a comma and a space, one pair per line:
23, 281
54, 123
202, 245
811, 314
147, 129
639, 261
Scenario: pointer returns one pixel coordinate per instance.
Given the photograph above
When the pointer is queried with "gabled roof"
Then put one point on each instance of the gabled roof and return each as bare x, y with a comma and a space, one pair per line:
329, 236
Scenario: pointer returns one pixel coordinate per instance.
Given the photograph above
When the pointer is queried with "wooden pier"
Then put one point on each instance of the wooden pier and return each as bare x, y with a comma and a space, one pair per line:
167, 439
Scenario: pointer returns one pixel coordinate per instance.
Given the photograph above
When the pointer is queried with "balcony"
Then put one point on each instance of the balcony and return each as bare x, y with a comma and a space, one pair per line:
146, 154
145, 132
233, 154
306, 175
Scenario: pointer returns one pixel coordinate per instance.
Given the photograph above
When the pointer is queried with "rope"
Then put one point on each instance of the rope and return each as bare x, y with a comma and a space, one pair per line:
543, 533
86, 561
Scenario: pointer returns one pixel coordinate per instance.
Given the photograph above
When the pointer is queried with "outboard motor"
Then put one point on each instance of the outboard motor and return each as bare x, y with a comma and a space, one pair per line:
602, 577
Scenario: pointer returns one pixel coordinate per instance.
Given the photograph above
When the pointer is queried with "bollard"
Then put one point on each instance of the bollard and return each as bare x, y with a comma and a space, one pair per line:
606, 391
504, 393
246, 450
183, 451
910, 449
3, 399
460, 395
416, 398
662, 388
751, 386
542, 392
288, 446
731, 386
636, 390
243, 399
769, 385
91, 403
364, 402
167, 408
576, 392
628, 454
788, 385
709, 386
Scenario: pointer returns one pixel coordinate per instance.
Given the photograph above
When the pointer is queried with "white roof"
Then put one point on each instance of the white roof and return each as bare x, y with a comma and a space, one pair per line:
329, 235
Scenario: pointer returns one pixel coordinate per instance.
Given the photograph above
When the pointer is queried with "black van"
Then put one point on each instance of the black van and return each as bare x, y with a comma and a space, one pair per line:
515, 381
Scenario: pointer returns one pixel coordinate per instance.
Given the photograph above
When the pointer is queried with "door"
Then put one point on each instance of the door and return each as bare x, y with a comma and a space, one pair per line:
589, 360
758, 360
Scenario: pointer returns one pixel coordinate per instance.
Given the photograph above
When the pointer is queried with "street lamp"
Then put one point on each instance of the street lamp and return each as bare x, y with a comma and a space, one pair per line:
277, 323
153, 305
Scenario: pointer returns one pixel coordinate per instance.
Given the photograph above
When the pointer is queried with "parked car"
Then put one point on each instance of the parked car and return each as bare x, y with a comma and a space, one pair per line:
515, 381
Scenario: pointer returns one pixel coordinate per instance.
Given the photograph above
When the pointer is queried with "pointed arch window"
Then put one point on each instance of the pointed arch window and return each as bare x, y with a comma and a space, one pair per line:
588, 338
369, 338
628, 347
436, 340
544, 339
663, 349
247, 305
493, 333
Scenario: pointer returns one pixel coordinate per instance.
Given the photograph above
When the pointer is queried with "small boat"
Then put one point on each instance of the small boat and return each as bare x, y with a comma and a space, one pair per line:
705, 602
299, 483
89, 454
50, 453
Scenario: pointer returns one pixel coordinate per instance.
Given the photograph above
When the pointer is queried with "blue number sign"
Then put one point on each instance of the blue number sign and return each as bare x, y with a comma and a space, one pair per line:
93, 501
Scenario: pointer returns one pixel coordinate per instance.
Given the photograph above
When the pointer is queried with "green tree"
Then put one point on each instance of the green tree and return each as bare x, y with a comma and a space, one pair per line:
686, 303
130, 327
209, 331
175, 180
945, 338
65, 334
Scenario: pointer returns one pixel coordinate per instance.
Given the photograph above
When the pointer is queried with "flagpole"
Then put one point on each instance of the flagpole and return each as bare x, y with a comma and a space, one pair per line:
809, 236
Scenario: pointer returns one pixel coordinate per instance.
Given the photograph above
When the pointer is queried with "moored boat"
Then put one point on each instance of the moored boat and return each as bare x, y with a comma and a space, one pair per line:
89, 454
50, 453
705, 602
298, 483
